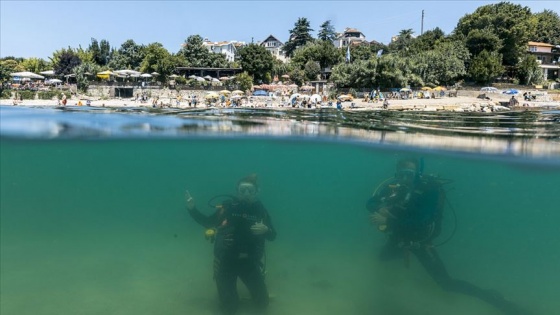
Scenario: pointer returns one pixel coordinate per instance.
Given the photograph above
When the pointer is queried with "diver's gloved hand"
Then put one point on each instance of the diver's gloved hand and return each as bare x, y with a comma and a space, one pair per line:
259, 228
189, 201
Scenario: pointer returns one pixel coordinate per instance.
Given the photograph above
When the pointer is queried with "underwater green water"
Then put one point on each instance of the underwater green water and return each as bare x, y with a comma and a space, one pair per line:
100, 227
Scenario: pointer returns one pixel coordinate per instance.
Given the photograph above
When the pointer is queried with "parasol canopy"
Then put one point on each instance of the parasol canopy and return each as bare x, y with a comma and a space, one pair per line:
27, 74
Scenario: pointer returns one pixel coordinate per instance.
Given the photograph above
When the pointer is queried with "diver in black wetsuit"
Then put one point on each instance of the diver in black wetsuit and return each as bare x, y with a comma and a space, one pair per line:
241, 226
409, 209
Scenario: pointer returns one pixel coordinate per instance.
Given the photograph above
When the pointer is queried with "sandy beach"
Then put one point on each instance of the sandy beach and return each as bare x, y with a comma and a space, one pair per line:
456, 104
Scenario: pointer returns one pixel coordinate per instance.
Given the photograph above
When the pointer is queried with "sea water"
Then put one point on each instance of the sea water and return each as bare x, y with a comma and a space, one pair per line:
94, 222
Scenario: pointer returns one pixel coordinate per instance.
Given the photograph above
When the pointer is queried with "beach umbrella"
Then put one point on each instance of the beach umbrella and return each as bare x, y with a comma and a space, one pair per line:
104, 74
440, 88
47, 73
260, 93
405, 90
173, 76
200, 79
306, 88
238, 92
224, 78
192, 76
225, 92
425, 88
511, 91
211, 95
295, 95
208, 77
315, 98
146, 75
215, 80
155, 73
285, 76
27, 74
53, 81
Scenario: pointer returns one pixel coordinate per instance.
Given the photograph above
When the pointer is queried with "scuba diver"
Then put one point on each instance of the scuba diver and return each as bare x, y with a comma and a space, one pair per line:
239, 228
409, 210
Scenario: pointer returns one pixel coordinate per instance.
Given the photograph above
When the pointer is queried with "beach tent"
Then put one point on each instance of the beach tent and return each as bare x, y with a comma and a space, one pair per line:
27, 74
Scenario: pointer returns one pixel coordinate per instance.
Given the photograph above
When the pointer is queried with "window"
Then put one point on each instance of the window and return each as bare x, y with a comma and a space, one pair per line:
533, 48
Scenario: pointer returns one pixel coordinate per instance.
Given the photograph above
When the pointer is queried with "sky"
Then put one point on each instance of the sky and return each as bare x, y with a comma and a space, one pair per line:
38, 28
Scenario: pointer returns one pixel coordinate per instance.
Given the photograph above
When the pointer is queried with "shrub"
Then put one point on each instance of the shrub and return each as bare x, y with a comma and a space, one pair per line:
26, 94
5, 94
49, 95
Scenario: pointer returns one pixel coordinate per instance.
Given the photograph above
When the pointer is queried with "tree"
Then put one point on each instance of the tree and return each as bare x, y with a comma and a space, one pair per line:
128, 56
35, 65
82, 76
319, 51
9, 65
197, 55
158, 59
403, 42
358, 74
64, 61
529, 71
512, 23
428, 40
486, 66
548, 27
443, 65
256, 61
312, 69
482, 39
101, 52
244, 81
326, 32
297, 76
299, 36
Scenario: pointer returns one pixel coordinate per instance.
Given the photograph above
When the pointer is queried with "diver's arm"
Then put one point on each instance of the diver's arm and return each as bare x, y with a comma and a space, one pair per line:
207, 221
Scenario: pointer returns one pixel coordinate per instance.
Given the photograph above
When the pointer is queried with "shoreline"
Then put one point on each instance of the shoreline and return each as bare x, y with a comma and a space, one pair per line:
449, 104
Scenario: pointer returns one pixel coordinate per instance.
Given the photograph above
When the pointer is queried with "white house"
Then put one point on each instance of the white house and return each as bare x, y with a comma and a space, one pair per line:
350, 36
228, 48
273, 45
548, 57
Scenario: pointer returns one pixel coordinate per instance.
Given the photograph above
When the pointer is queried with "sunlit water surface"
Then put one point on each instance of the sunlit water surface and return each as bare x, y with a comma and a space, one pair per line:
92, 216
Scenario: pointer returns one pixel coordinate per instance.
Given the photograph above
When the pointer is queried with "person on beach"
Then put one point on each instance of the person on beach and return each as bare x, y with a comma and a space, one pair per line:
408, 208
239, 227
64, 101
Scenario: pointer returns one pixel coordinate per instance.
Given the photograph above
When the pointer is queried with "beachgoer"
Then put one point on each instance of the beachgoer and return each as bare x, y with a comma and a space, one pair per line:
513, 101
239, 228
409, 209
386, 104
64, 99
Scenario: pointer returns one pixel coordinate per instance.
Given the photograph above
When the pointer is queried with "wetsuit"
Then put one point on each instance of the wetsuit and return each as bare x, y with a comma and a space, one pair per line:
415, 220
237, 252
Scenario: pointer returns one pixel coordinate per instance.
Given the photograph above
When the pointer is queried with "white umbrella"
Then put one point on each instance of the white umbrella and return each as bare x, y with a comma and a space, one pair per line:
200, 79
294, 96
192, 76
53, 81
208, 77
146, 75
315, 98
47, 73
127, 72
155, 73
173, 76
215, 80
27, 74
